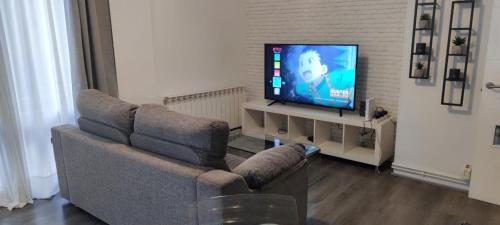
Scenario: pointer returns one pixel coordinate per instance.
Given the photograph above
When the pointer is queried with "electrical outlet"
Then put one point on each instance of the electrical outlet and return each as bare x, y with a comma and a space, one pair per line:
467, 172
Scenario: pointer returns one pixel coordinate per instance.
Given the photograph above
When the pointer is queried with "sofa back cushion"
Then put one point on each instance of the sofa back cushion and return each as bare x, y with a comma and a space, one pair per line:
105, 116
191, 139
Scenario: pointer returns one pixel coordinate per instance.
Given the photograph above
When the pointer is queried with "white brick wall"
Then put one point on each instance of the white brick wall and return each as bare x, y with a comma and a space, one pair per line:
377, 26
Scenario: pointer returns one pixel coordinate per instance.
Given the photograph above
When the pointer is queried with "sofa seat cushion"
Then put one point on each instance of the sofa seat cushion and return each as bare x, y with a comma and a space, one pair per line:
266, 166
105, 116
199, 141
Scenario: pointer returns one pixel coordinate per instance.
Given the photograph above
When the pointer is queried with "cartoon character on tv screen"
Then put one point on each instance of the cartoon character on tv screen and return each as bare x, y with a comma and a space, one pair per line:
323, 81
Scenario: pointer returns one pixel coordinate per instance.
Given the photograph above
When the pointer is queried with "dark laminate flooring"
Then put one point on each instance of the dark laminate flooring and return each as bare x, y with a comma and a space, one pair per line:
341, 193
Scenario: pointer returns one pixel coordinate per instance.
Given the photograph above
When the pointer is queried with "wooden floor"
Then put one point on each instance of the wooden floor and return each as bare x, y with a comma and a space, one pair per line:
341, 193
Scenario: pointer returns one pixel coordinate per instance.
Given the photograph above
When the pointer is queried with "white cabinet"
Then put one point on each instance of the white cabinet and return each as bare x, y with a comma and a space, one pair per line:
348, 137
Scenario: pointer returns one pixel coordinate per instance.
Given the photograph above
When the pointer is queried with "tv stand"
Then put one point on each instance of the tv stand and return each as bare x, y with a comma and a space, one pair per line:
335, 135
276, 101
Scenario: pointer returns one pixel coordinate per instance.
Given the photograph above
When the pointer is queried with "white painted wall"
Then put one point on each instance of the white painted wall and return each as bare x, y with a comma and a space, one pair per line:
133, 44
170, 47
433, 138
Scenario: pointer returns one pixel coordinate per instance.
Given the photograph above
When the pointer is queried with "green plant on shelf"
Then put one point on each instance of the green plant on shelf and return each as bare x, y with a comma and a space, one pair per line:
425, 17
420, 71
458, 41
420, 66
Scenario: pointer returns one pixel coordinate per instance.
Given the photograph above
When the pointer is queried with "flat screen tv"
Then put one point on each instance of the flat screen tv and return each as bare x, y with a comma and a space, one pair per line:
313, 74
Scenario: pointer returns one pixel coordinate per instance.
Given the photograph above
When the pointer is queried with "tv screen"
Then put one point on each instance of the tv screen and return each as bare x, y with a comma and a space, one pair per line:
323, 75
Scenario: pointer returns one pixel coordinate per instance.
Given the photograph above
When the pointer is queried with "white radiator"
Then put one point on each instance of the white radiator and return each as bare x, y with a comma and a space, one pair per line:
222, 104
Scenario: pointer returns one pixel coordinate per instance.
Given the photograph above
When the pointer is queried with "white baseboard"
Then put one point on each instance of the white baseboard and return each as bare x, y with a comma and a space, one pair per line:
435, 178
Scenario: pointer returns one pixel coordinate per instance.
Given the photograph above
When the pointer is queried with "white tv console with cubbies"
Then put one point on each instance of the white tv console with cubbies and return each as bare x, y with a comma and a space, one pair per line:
334, 135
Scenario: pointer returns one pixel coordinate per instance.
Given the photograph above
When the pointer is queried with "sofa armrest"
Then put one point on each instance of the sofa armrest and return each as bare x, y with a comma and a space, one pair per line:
59, 158
266, 167
216, 183
281, 170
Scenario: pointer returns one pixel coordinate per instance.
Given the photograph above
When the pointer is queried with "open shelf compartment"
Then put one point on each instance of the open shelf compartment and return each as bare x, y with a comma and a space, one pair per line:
253, 123
301, 130
328, 136
276, 125
359, 143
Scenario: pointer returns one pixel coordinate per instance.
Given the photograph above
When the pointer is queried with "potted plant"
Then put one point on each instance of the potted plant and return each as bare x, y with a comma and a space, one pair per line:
421, 70
425, 21
458, 45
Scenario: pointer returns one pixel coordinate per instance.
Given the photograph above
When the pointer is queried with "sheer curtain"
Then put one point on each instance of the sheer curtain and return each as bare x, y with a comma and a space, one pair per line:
35, 95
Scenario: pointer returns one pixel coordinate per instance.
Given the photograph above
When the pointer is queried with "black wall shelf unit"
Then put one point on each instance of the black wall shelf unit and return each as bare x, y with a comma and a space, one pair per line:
461, 79
428, 53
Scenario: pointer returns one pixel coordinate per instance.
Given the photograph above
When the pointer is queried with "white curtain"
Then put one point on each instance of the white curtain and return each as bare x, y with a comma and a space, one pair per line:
35, 95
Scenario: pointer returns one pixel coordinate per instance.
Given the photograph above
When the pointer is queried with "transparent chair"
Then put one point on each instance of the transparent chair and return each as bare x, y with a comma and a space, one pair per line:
248, 209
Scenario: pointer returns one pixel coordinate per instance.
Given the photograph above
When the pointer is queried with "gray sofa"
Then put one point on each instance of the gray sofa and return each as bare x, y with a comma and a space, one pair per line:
147, 165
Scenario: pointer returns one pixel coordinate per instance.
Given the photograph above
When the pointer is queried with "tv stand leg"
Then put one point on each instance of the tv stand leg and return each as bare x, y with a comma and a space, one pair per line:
340, 112
274, 102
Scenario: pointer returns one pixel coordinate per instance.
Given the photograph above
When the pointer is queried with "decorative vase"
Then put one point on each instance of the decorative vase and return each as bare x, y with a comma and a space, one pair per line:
424, 24
421, 48
454, 74
457, 49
